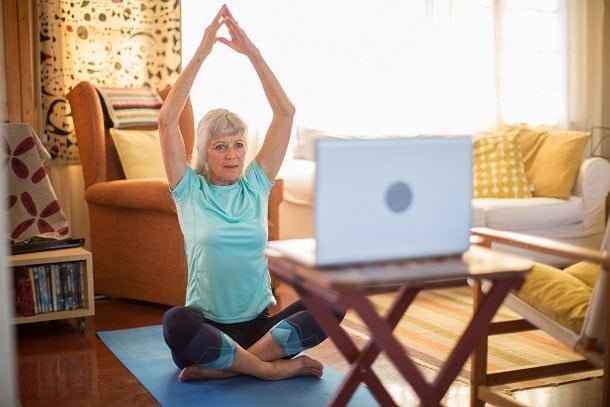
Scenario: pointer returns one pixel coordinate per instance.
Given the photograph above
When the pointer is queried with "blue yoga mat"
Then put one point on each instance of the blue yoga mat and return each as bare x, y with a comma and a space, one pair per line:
144, 352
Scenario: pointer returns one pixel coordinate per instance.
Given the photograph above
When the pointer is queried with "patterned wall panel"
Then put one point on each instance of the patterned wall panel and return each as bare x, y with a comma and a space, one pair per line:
129, 43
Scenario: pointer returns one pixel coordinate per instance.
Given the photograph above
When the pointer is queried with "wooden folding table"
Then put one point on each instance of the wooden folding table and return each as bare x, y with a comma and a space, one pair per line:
347, 287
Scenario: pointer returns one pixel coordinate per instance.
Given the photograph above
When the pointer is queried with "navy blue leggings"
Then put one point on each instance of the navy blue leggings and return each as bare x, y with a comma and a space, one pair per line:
194, 339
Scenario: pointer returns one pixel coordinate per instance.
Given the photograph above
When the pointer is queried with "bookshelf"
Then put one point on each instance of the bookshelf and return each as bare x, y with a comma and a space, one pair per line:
76, 255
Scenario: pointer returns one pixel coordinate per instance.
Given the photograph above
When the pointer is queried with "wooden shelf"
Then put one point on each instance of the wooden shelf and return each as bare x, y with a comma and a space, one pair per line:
60, 256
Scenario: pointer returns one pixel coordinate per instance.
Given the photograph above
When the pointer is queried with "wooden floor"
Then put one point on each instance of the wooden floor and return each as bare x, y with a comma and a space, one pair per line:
60, 366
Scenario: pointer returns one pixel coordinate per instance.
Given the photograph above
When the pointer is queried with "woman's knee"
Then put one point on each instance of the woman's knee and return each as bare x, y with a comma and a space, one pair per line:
193, 340
180, 324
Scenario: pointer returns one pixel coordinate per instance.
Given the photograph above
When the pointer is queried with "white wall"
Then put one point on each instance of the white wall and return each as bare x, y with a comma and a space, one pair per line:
7, 334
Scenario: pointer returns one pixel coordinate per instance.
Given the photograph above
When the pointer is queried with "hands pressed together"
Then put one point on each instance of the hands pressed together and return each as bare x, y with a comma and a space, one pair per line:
273, 150
239, 41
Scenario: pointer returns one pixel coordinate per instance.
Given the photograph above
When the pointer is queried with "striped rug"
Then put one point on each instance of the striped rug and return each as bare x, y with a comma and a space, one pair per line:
433, 322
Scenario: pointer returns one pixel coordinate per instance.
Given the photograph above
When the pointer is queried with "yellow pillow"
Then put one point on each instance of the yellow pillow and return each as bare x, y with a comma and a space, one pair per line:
585, 272
556, 159
139, 152
556, 294
552, 158
527, 139
498, 167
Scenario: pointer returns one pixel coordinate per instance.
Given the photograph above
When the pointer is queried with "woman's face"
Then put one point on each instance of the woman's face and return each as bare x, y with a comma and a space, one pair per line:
225, 157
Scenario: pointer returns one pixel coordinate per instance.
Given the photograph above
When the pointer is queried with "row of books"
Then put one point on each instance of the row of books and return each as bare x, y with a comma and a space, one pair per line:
49, 287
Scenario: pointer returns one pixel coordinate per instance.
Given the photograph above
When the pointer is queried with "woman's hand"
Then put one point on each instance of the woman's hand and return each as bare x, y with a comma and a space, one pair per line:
239, 40
209, 36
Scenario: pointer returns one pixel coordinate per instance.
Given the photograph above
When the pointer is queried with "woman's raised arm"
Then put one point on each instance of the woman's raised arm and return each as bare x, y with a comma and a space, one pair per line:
274, 147
172, 144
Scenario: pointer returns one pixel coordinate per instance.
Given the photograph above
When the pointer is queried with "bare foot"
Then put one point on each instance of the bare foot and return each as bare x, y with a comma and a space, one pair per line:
279, 369
194, 372
299, 366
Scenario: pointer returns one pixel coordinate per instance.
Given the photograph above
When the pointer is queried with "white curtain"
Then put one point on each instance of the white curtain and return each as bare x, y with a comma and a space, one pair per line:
396, 66
586, 50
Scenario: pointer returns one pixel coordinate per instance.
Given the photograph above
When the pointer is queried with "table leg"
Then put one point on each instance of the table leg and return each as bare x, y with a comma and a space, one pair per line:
477, 329
361, 363
384, 339
478, 360
361, 369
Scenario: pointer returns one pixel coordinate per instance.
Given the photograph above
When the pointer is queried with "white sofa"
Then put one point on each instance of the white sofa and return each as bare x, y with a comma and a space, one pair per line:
578, 220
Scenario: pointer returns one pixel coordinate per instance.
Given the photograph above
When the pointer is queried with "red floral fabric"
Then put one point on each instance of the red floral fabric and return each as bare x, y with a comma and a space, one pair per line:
32, 204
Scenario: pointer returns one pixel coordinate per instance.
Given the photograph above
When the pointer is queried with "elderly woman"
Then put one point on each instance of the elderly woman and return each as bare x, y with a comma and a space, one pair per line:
225, 328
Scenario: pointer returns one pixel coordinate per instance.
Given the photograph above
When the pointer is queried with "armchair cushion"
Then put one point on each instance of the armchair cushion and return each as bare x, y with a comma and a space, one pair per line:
557, 294
139, 152
130, 107
586, 272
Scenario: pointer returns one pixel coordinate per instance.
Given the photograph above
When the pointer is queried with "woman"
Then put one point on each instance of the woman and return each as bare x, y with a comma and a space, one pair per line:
225, 329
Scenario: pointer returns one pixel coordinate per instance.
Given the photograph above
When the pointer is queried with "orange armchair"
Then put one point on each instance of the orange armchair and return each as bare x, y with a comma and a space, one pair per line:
137, 245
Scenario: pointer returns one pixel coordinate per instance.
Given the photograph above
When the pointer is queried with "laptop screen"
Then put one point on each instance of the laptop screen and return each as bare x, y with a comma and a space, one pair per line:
392, 198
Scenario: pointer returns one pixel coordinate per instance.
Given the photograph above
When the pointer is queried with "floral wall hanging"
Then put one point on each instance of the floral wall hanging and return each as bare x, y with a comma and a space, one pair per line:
123, 43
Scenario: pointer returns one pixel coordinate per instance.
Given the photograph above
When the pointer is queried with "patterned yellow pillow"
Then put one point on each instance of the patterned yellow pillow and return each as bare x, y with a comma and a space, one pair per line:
498, 167
528, 138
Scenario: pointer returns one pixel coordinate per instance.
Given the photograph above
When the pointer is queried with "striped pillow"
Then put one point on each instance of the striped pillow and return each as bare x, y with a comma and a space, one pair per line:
130, 107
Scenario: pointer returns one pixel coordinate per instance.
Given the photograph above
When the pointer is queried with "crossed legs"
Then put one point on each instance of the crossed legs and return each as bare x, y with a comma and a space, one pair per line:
261, 348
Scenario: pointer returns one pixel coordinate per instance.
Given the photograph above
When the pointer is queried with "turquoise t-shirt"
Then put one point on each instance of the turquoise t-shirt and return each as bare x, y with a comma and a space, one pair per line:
225, 234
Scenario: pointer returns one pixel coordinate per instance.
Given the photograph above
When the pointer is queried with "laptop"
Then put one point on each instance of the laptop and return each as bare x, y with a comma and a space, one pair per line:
387, 199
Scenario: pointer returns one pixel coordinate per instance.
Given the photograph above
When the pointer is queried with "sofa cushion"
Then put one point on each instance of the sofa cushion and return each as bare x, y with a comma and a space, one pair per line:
139, 152
555, 161
498, 167
478, 217
532, 213
556, 294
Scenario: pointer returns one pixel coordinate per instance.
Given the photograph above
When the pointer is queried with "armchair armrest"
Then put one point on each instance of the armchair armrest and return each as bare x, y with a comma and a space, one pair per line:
543, 245
592, 185
152, 193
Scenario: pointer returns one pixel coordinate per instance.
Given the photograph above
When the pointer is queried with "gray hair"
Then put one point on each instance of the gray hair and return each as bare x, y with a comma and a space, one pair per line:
215, 123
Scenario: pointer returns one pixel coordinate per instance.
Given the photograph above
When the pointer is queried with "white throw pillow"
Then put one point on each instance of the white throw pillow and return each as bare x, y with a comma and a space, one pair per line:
306, 139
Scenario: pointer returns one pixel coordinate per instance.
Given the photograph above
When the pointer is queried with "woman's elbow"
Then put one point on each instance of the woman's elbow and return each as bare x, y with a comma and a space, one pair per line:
292, 111
165, 120
287, 111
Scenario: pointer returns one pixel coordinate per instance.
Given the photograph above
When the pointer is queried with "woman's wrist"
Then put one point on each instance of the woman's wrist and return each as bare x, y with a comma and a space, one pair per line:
253, 53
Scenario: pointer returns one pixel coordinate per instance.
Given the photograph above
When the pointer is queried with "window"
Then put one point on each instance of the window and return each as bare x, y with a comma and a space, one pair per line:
391, 66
